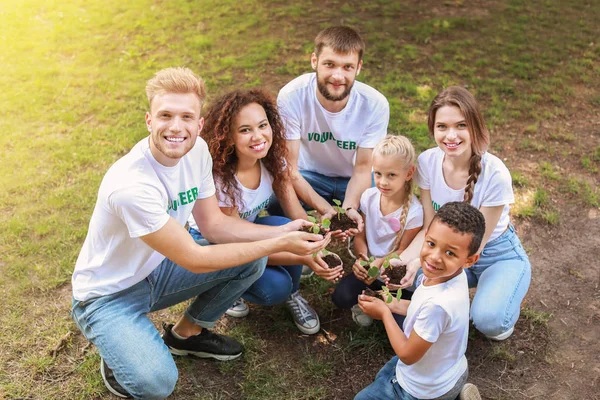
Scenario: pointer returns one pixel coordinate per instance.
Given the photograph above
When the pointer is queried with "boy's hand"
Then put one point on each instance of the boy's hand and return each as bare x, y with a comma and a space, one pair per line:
411, 272
321, 268
373, 307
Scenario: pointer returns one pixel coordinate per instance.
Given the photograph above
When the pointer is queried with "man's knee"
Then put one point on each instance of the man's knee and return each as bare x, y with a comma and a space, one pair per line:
156, 381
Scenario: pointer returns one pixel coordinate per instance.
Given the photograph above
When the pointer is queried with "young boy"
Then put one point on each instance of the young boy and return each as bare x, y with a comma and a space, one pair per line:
430, 360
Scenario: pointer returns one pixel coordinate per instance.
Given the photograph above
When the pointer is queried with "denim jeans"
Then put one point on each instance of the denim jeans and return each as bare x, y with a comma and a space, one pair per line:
386, 386
502, 276
118, 325
277, 282
327, 187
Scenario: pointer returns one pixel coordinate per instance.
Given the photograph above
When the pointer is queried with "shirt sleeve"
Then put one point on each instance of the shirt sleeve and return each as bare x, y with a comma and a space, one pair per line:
421, 176
431, 322
498, 190
414, 219
289, 116
206, 187
378, 127
142, 207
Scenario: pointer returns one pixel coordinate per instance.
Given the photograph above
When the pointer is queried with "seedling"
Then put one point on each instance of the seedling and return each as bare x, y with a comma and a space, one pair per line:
315, 228
372, 270
338, 208
389, 296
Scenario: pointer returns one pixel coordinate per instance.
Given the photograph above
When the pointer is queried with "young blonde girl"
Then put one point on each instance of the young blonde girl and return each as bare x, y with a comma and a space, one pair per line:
461, 169
392, 217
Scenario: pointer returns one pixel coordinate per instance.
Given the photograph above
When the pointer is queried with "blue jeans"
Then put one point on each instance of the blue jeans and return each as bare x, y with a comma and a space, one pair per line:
327, 187
386, 386
277, 282
118, 325
502, 276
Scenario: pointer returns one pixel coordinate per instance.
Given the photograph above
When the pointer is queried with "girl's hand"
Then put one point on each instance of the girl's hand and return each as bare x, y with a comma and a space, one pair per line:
360, 272
321, 268
373, 307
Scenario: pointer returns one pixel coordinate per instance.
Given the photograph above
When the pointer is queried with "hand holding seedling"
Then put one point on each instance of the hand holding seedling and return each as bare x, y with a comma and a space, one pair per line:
366, 269
344, 222
322, 269
303, 243
296, 225
411, 272
373, 306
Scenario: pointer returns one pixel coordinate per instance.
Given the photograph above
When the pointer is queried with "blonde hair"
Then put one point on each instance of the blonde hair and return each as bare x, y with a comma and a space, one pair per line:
401, 147
457, 96
175, 80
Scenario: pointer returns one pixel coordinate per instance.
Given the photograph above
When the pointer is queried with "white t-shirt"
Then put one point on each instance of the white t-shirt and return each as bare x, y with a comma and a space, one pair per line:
379, 232
253, 200
136, 197
493, 187
328, 141
439, 314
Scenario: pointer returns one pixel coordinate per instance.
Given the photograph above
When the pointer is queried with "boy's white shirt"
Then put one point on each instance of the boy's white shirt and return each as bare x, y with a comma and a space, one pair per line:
328, 141
439, 314
136, 197
253, 201
380, 235
493, 187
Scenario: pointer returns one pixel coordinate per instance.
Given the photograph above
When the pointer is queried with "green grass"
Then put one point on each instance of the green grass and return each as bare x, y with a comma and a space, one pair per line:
73, 76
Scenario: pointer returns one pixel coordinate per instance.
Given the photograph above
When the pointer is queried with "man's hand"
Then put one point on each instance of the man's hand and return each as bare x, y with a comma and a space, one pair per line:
321, 268
373, 307
354, 216
303, 243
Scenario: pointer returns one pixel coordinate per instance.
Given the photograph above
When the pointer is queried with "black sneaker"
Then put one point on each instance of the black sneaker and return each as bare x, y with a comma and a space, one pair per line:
204, 345
111, 383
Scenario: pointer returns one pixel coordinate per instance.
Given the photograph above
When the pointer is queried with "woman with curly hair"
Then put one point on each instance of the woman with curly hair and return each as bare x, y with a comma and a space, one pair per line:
246, 139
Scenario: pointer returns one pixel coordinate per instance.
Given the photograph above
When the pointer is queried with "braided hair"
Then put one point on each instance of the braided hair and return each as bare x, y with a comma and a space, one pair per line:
461, 98
400, 147
218, 135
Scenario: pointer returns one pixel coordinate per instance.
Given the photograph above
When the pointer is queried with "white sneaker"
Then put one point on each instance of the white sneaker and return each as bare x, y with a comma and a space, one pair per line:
360, 317
469, 392
306, 272
305, 318
503, 335
239, 309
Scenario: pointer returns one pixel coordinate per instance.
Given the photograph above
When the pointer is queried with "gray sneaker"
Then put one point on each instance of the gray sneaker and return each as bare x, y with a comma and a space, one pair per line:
305, 318
360, 317
239, 309
306, 272
469, 392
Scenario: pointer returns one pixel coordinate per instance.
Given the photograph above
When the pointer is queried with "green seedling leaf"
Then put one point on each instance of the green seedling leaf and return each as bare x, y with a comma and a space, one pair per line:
399, 294
315, 229
373, 272
389, 299
386, 264
325, 223
312, 219
371, 259
337, 202
363, 263
394, 256
325, 252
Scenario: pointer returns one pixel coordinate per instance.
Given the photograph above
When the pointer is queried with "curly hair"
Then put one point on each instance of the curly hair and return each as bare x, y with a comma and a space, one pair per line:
480, 137
218, 135
463, 218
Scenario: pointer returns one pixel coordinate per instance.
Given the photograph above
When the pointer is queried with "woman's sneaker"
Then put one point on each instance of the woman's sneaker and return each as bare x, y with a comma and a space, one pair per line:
360, 317
305, 318
502, 336
204, 345
239, 309
469, 392
111, 383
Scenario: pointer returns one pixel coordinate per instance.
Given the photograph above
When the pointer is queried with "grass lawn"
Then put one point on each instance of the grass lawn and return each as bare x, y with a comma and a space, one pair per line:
73, 102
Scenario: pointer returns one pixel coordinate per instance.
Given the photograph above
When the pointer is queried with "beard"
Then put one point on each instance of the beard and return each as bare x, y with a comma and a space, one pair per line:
322, 87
